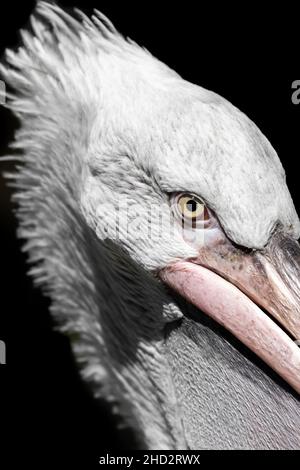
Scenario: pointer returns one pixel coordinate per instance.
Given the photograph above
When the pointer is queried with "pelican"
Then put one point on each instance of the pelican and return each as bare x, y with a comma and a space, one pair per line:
157, 218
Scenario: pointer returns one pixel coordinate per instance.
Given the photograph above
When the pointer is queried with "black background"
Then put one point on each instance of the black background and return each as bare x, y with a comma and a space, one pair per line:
248, 56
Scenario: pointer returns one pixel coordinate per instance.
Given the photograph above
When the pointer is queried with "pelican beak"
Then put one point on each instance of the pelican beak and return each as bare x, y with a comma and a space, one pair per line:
254, 294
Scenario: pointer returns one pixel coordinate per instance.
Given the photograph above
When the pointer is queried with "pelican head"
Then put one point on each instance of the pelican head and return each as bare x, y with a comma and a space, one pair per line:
158, 220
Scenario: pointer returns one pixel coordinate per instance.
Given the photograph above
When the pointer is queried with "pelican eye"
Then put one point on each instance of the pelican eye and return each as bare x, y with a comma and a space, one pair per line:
190, 208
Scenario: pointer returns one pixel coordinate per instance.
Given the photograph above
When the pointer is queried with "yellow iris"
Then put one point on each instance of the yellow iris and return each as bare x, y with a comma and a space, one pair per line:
190, 207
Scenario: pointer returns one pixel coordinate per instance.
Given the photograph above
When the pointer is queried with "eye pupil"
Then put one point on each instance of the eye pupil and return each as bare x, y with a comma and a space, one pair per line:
191, 205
